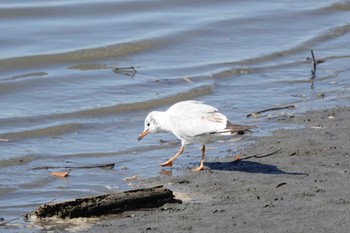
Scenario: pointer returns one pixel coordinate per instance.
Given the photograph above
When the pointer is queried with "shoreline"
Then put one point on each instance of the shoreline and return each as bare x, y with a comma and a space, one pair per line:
302, 187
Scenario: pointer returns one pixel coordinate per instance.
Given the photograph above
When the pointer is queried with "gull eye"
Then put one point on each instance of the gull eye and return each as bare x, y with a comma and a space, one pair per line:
148, 124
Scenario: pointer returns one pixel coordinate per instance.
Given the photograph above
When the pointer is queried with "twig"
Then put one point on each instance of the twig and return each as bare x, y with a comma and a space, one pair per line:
314, 65
255, 114
104, 166
115, 69
131, 71
259, 156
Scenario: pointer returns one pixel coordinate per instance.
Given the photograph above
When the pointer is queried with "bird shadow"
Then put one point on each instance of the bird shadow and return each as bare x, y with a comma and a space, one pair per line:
249, 167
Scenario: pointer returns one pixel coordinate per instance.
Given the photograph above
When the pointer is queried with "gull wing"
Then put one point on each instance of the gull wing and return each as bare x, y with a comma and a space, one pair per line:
193, 118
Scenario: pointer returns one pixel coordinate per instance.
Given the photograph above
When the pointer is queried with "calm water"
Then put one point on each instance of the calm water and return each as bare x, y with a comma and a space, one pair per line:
62, 105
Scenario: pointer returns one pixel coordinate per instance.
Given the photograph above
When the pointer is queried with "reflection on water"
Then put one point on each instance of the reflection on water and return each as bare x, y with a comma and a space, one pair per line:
62, 105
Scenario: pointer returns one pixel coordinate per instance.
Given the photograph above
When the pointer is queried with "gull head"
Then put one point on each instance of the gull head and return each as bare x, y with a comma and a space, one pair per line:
151, 125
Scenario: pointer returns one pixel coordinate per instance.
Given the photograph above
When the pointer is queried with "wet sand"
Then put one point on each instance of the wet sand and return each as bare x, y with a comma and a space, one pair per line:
304, 187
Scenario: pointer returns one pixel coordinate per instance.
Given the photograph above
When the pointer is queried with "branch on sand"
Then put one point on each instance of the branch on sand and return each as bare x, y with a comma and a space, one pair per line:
257, 156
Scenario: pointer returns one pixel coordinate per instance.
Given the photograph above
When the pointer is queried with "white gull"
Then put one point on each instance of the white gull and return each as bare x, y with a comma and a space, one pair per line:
191, 122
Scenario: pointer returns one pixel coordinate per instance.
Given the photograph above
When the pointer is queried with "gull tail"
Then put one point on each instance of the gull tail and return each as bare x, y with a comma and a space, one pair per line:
233, 129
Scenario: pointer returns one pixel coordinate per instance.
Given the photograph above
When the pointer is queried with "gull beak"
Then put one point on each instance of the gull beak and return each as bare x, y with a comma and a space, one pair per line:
142, 135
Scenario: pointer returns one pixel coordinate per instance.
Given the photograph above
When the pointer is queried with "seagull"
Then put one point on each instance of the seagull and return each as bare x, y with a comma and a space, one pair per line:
192, 122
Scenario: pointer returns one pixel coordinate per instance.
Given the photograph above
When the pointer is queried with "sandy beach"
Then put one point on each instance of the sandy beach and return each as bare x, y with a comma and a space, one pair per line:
303, 186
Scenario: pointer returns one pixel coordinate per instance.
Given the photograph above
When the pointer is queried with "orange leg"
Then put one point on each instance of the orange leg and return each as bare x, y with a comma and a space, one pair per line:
201, 166
170, 161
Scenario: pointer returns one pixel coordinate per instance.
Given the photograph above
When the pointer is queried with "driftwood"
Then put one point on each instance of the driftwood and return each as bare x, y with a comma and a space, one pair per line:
108, 204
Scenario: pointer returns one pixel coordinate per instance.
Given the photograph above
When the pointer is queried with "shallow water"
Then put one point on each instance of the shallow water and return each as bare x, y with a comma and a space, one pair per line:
62, 104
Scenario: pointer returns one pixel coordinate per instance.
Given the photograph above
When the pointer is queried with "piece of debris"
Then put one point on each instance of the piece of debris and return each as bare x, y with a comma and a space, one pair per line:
281, 184
130, 71
169, 142
60, 173
124, 168
321, 95
130, 178
188, 80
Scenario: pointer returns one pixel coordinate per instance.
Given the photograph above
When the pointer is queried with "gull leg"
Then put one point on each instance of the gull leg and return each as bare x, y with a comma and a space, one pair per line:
201, 166
170, 161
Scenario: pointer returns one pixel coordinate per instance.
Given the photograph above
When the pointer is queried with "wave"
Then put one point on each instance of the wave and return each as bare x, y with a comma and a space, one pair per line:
137, 106
114, 153
51, 131
338, 6
102, 111
78, 56
329, 34
18, 160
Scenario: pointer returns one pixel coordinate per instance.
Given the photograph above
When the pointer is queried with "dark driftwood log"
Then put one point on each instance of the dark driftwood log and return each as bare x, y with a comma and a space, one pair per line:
108, 204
